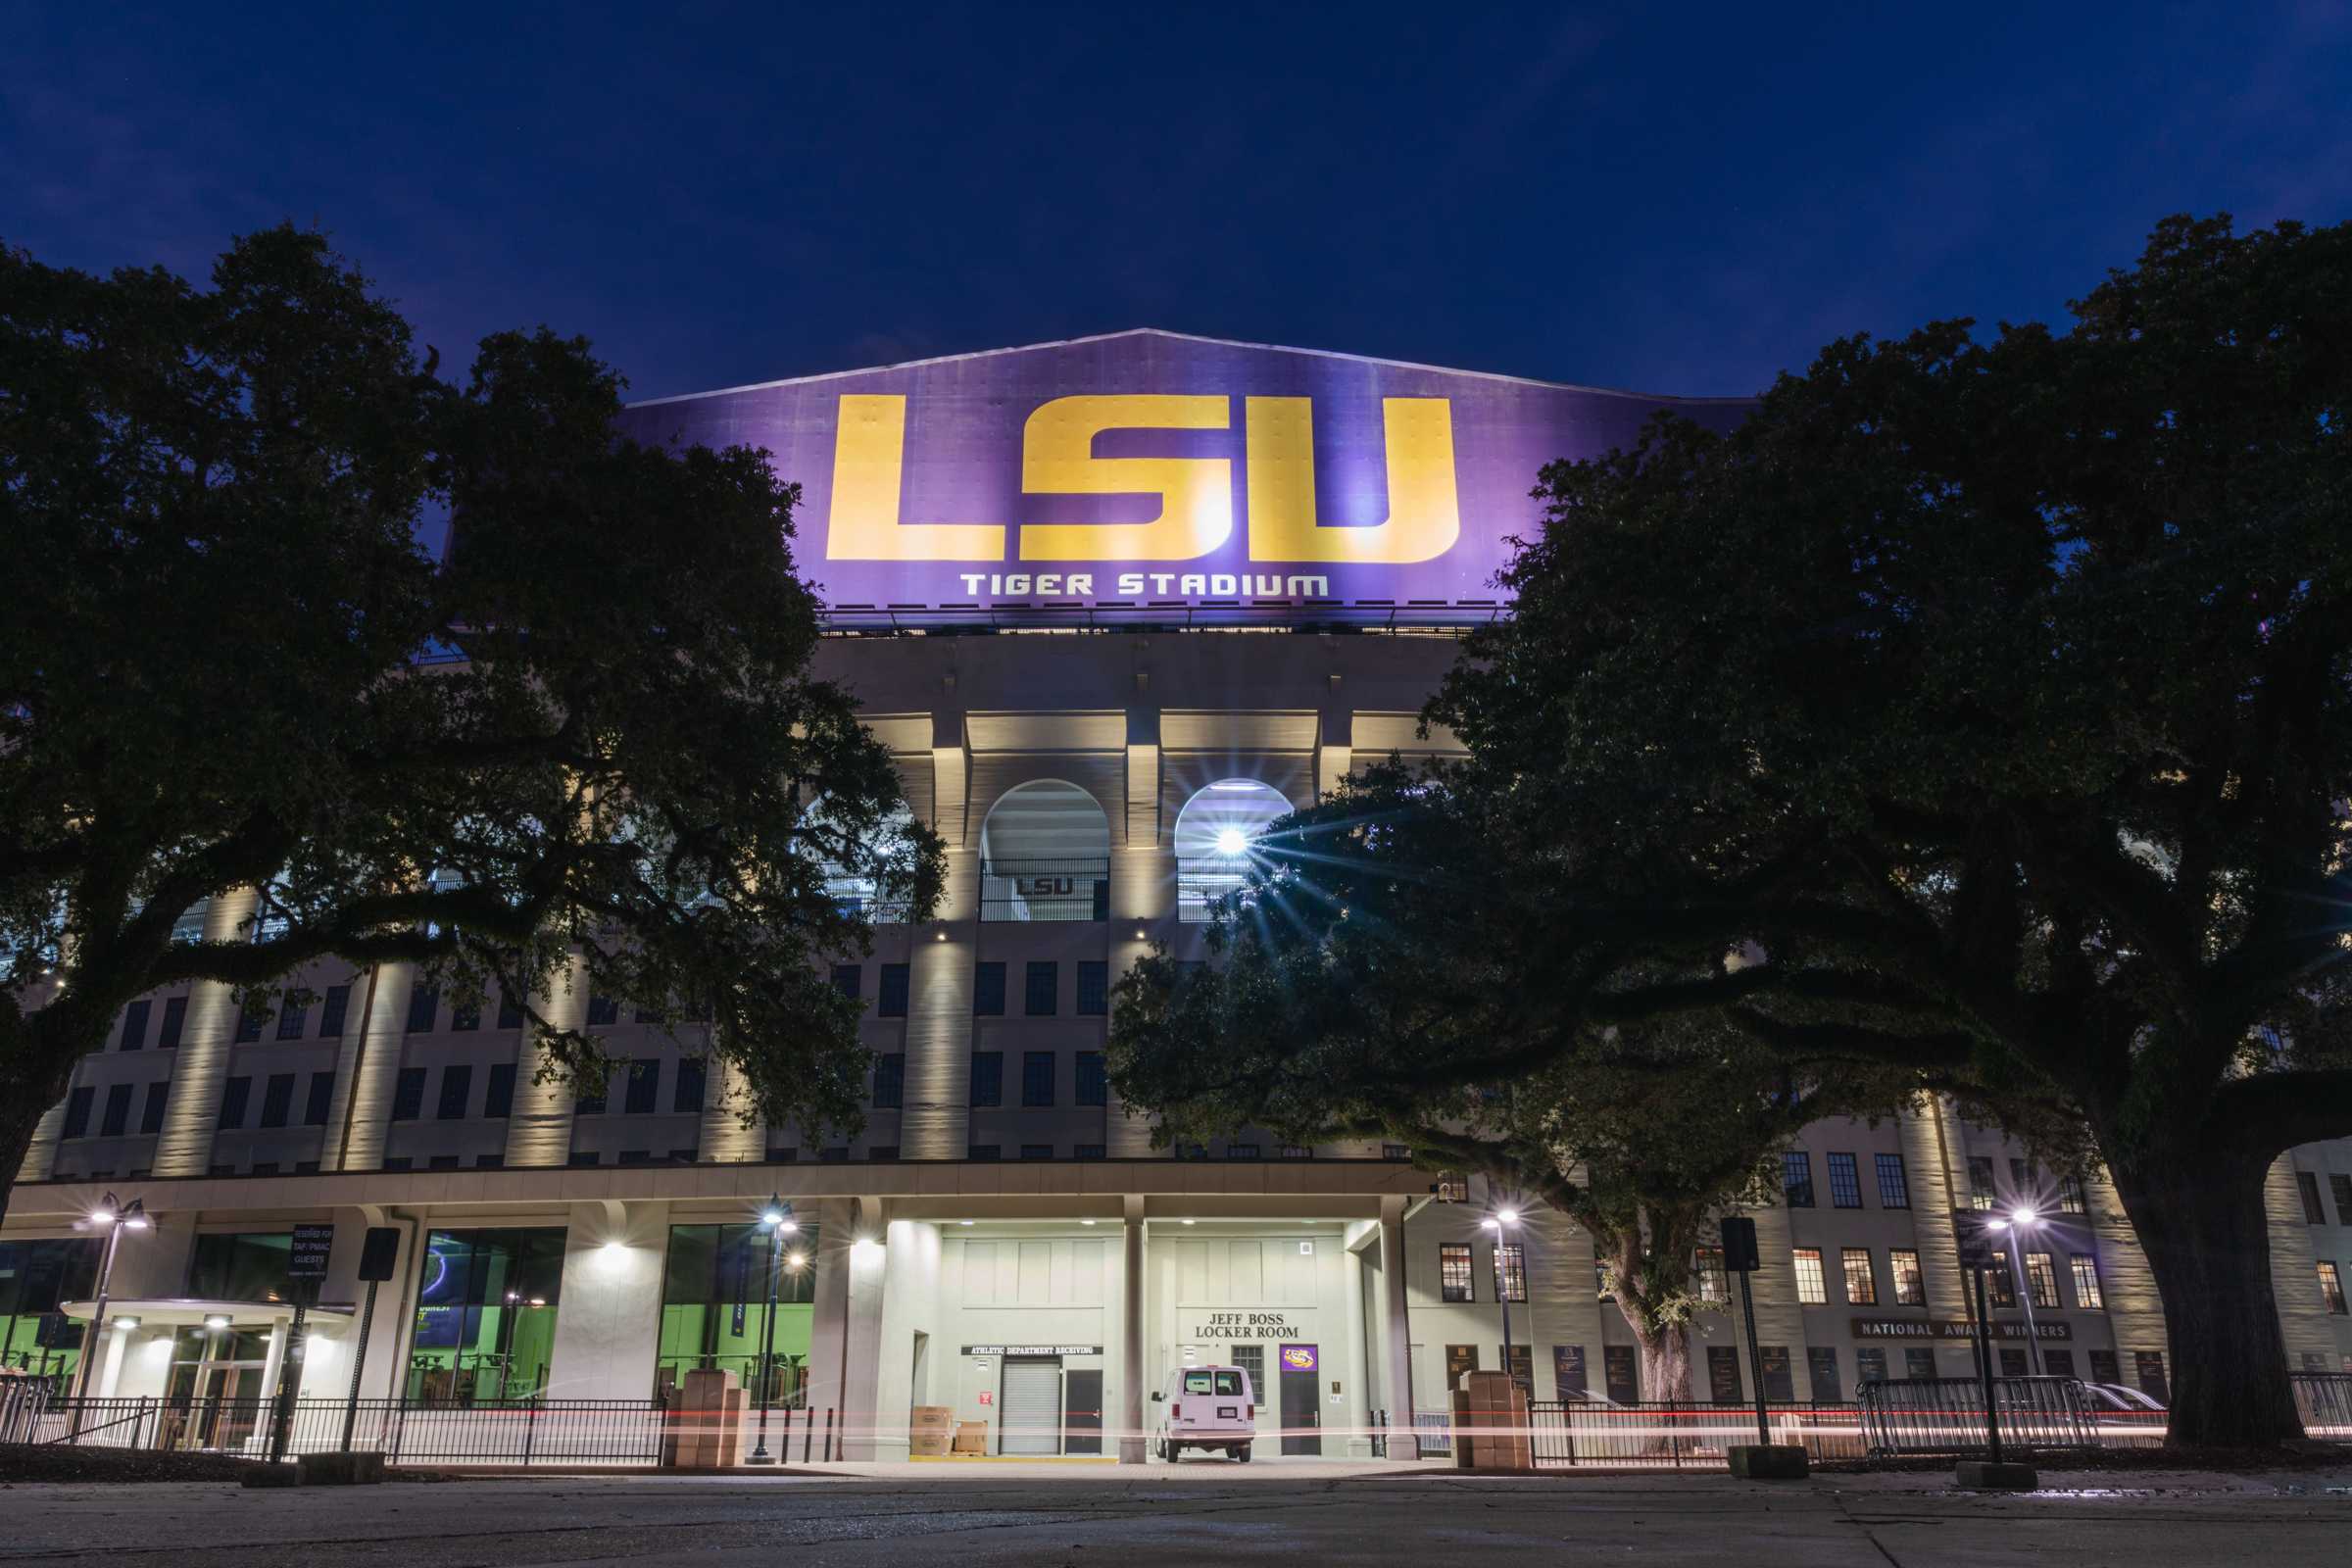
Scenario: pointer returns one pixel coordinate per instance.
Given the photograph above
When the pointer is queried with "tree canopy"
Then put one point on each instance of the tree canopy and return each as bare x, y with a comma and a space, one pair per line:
228, 663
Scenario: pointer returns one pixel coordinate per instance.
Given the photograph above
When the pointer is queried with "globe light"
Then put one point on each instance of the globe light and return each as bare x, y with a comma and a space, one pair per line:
1231, 841
1509, 1217
2023, 1216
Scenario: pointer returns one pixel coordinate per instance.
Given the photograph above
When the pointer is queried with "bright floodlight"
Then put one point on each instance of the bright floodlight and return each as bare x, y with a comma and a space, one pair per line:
1231, 841
1491, 1223
1509, 1217
215, 1321
794, 1260
2023, 1216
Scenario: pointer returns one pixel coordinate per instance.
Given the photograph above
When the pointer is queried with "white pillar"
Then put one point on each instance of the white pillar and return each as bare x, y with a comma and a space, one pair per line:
110, 1368
272, 1368
1131, 1337
1357, 1409
1396, 1333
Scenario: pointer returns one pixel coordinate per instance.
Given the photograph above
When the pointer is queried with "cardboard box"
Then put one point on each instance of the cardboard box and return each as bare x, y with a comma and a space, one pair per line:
971, 1437
928, 1442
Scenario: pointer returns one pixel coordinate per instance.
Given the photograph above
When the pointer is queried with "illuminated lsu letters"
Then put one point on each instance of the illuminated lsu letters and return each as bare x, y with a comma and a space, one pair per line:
1196, 493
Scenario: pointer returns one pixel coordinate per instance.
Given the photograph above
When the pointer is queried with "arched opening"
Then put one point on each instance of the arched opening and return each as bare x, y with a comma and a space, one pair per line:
1045, 854
1216, 834
872, 878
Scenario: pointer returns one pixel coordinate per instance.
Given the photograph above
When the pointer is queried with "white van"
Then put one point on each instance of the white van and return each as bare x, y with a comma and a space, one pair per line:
1210, 1408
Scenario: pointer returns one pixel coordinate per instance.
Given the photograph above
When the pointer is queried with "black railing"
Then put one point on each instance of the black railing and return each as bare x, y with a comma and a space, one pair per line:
1661, 1434
1045, 890
1947, 1415
599, 1432
2324, 1401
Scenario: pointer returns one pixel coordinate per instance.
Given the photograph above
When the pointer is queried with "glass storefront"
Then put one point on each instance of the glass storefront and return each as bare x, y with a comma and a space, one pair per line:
215, 1396
34, 1276
486, 1316
250, 1266
715, 1300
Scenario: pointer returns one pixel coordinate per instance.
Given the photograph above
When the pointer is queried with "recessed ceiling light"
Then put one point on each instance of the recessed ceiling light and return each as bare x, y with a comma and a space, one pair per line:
1184, 1222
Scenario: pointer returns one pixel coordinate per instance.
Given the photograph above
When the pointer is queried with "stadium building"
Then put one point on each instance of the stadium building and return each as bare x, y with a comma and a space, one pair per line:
1111, 603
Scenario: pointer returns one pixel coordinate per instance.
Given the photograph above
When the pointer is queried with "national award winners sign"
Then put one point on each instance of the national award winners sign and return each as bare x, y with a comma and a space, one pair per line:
1149, 473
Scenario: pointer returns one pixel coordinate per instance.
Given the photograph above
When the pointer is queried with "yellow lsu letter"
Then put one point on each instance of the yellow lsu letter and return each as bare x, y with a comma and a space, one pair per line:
1196, 513
1423, 513
870, 450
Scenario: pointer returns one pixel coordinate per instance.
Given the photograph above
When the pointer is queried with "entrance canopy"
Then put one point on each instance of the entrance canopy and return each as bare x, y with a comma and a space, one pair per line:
194, 1312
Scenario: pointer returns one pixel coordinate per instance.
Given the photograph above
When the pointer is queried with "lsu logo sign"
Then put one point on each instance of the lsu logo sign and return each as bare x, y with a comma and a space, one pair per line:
1194, 516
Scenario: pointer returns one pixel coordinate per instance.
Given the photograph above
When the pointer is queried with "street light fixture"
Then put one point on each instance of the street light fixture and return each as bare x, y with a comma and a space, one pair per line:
1502, 1221
2021, 1221
113, 1216
775, 1219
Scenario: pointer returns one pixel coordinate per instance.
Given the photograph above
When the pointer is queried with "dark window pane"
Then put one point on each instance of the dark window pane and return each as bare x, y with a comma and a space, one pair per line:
176, 1019
249, 1025
1037, 1078
407, 1094
1037, 1151
510, 1012
1093, 988
891, 1002
134, 1025
1894, 1187
1094, 1082
322, 1095
588, 1096
277, 1100
988, 990
1846, 1182
464, 1019
425, 1003
331, 1016
689, 1094
292, 1017
602, 1011
151, 1113
982, 1152
987, 1078
890, 1081
1041, 989
644, 1088
849, 979
498, 1099
456, 1088
1797, 1178
117, 1117
234, 1095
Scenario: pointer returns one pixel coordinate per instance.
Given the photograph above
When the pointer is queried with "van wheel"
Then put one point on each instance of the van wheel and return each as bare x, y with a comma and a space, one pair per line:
1168, 1452
1241, 1453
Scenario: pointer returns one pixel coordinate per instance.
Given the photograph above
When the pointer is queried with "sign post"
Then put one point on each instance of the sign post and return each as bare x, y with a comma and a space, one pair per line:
1764, 1461
305, 1269
376, 1256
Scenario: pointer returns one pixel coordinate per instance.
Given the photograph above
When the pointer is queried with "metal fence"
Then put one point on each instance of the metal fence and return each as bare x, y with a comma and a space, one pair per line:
1947, 1415
1045, 890
1668, 1435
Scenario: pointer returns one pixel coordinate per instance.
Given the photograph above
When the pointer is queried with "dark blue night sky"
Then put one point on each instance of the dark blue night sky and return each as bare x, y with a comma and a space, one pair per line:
1678, 199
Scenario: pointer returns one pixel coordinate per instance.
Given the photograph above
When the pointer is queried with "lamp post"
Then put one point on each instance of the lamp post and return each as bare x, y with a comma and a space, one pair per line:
2019, 1223
113, 1217
775, 1219
1502, 1222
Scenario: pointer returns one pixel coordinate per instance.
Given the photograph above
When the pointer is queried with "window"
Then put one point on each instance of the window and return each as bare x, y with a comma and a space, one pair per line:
1045, 854
322, 1095
497, 1095
688, 1095
1453, 1272
1870, 1365
176, 1019
2059, 1363
1894, 1185
424, 1002
1094, 1082
987, 1078
291, 1016
588, 1096
1713, 1283
891, 1001
1910, 1288
988, 990
1861, 1286
1037, 1151
2309, 1186
890, 1081
1093, 988
485, 1321
782, 1157
277, 1100
509, 1012
151, 1112
1251, 1358
1510, 1271
1088, 1152
850, 980
1297, 1151
1243, 1152
2041, 1280
464, 1017
1846, 1182
1821, 1367
2332, 1287
240, 1266
1811, 1288
2149, 1364
1980, 1181
1037, 1078
249, 1026
2105, 1367
642, 1093
117, 1116
2340, 1185
2071, 1198
602, 1011
1395, 1151
2002, 1286
1722, 1375
685, 1157
1797, 1178
2088, 1295
456, 1088
407, 1094
436, 1163
982, 1152
235, 1094
1919, 1363
1043, 988
2021, 1177
134, 1025
580, 1159
331, 1016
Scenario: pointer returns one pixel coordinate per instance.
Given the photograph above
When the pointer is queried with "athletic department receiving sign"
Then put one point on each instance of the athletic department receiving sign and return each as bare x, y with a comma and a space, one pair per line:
1147, 472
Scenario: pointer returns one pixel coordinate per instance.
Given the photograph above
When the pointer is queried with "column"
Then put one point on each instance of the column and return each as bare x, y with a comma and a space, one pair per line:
41, 1156
273, 1367
1143, 891
609, 1317
1396, 1333
936, 1123
1131, 1335
1934, 1162
200, 1066
367, 1070
539, 1129
2304, 1321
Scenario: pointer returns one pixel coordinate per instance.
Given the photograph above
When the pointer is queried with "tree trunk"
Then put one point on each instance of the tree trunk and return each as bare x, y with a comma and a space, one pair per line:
1665, 1358
2202, 1221
34, 1075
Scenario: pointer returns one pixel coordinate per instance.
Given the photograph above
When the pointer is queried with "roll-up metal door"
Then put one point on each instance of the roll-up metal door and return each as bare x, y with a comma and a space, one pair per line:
1032, 1419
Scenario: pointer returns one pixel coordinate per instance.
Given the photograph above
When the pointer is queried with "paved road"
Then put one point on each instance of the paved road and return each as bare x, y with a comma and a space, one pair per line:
1293, 1515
